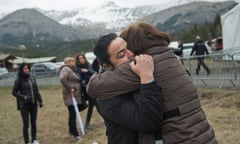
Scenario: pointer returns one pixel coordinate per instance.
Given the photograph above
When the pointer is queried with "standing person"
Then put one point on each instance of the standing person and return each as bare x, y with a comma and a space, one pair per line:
180, 47
71, 82
200, 49
129, 117
26, 91
85, 71
184, 120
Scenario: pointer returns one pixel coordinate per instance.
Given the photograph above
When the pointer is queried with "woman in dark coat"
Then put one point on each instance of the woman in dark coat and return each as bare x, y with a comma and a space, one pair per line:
85, 71
26, 91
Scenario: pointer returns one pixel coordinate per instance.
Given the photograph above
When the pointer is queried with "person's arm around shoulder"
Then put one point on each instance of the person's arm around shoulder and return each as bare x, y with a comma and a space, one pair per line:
113, 83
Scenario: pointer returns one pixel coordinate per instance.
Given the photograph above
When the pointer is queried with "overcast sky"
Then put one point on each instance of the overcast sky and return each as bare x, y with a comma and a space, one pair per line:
11, 5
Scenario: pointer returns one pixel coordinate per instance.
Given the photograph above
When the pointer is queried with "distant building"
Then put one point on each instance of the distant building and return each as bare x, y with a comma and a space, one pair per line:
11, 62
31, 61
5, 61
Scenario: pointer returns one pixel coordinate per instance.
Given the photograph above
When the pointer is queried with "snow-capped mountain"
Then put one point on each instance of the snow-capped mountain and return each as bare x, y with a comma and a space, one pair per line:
36, 25
109, 14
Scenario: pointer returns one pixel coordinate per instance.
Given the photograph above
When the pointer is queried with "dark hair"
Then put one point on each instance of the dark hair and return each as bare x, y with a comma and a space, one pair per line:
21, 74
101, 48
95, 65
77, 59
141, 36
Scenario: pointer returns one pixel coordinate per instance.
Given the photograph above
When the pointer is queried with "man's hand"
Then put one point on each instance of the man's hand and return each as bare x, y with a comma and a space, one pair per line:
143, 67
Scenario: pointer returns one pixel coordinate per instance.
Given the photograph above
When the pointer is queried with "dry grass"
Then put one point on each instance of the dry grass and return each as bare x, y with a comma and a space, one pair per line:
222, 109
52, 120
221, 106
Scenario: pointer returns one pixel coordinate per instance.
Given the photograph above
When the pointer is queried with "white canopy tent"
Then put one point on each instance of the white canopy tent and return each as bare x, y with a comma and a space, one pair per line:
231, 33
90, 57
231, 28
20, 60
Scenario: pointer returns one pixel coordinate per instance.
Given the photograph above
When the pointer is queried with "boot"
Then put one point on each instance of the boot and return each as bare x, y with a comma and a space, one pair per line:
88, 126
197, 72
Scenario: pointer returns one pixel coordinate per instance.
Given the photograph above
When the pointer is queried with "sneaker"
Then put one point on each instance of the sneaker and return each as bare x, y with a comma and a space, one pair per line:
197, 72
77, 138
35, 142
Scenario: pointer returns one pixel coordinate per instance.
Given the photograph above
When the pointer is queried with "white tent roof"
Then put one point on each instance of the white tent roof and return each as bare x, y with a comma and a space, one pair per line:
20, 60
231, 28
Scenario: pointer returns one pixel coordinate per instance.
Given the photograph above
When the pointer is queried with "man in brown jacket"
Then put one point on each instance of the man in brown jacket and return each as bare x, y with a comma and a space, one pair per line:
184, 119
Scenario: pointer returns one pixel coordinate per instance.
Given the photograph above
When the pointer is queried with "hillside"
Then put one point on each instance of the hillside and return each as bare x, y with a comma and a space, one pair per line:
29, 25
183, 17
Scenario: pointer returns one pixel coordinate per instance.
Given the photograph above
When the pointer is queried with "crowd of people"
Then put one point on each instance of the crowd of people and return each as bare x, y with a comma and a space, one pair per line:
137, 84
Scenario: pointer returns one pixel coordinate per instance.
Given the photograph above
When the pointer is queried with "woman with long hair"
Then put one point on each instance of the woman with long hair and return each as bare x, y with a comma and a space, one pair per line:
85, 71
26, 91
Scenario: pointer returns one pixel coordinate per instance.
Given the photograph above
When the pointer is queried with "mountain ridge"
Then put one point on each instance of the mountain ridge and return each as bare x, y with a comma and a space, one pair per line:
179, 18
39, 25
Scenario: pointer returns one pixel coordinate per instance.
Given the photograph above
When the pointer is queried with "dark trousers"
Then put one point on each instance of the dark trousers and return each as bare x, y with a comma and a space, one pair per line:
29, 110
91, 103
201, 62
72, 121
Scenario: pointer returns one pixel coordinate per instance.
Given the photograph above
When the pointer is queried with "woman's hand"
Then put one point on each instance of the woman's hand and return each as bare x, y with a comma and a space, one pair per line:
72, 91
40, 105
84, 70
143, 66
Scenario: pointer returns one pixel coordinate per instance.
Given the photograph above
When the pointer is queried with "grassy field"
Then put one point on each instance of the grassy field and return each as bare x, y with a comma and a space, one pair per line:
221, 106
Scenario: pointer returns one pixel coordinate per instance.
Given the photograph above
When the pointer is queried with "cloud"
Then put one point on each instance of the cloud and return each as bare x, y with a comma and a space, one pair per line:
11, 5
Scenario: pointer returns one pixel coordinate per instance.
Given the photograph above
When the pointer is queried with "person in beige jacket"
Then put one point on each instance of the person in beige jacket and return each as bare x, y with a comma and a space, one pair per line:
184, 121
70, 82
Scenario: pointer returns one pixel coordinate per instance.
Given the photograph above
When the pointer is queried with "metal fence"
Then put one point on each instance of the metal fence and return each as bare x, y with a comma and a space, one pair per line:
224, 67
43, 78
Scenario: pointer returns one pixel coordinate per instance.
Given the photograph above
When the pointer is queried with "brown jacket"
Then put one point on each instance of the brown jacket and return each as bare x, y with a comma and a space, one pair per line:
69, 79
178, 91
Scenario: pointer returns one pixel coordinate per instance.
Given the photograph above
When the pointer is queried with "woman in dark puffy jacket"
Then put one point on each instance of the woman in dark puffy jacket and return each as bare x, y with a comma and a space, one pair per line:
85, 71
26, 91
